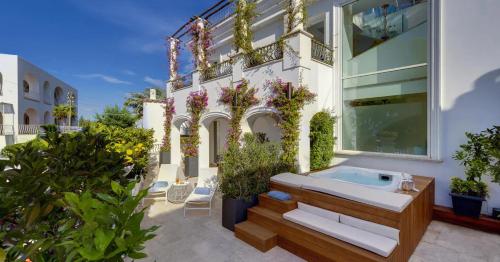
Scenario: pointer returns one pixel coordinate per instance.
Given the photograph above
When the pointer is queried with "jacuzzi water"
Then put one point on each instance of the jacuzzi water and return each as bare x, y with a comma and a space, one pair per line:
379, 179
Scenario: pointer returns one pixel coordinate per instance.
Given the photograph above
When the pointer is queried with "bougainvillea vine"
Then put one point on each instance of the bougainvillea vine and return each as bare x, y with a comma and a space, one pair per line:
196, 104
200, 43
289, 101
238, 99
168, 115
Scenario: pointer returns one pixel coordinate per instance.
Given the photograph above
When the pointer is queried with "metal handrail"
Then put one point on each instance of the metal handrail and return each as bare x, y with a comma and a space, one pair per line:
217, 70
321, 52
264, 54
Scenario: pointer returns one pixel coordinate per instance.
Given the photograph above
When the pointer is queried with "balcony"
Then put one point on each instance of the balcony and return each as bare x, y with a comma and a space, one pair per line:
264, 55
29, 129
321, 52
217, 70
182, 82
6, 130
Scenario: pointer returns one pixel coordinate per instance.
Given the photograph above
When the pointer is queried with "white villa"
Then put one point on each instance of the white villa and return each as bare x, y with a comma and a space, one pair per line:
27, 97
405, 79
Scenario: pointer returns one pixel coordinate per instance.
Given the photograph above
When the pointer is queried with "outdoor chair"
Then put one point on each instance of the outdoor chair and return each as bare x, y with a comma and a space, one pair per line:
204, 191
166, 177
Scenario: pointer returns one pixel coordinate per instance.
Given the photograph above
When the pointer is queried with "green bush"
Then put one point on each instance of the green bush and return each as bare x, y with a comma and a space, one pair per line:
321, 139
246, 171
134, 143
481, 157
64, 197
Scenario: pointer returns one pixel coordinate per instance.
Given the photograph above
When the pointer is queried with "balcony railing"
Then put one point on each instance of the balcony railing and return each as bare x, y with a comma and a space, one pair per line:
217, 70
264, 55
6, 130
182, 82
29, 129
321, 53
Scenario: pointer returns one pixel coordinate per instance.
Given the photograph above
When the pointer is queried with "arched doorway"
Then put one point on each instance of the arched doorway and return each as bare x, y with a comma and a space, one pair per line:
46, 92
264, 121
213, 135
31, 87
180, 131
30, 117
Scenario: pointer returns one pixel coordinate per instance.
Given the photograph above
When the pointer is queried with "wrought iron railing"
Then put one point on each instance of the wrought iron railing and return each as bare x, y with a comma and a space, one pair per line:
217, 70
182, 82
322, 53
264, 54
37, 129
6, 130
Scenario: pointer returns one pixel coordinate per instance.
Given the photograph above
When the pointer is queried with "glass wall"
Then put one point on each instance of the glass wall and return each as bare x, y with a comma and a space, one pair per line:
384, 76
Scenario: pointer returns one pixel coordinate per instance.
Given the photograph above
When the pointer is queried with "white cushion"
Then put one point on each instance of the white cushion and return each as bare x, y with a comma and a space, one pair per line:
379, 198
290, 179
193, 197
375, 243
319, 212
375, 228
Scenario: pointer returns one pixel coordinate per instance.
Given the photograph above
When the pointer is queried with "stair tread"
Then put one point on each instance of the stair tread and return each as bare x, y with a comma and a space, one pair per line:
287, 202
255, 230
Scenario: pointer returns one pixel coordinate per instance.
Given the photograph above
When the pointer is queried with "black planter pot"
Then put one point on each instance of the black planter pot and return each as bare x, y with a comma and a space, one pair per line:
165, 157
496, 213
234, 211
191, 164
466, 205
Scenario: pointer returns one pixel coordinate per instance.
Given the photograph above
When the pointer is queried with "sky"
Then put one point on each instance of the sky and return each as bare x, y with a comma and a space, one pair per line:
104, 48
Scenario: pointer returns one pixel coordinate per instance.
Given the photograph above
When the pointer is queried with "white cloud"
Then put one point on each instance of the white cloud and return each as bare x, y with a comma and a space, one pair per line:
154, 82
106, 78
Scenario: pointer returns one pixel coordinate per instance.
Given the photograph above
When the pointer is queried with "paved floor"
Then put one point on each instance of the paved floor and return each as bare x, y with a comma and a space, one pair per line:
202, 238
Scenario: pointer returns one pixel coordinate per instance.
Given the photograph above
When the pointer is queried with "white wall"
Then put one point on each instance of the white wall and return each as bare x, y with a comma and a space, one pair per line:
153, 119
470, 93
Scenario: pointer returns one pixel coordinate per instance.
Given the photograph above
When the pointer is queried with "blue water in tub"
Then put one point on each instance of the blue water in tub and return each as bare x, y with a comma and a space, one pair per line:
354, 176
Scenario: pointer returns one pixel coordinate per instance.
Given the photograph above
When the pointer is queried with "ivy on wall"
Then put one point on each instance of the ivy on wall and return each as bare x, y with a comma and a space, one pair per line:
245, 13
238, 99
289, 101
196, 104
296, 13
321, 139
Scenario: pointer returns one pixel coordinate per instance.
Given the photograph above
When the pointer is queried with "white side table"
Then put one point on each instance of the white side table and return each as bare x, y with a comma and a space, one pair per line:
178, 192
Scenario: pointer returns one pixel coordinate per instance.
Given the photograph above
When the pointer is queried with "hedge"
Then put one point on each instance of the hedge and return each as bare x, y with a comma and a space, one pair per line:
321, 139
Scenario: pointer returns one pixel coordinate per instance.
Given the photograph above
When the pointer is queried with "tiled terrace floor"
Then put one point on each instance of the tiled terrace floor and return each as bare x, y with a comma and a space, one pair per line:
202, 238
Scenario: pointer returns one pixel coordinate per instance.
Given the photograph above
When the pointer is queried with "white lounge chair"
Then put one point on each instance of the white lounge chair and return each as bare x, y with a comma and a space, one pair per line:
166, 177
204, 191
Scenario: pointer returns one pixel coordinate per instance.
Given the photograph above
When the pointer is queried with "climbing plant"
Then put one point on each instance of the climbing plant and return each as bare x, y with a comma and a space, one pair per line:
196, 104
201, 41
321, 139
289, 101
174, 49
296, 13
238, 99
245, 13
168, 115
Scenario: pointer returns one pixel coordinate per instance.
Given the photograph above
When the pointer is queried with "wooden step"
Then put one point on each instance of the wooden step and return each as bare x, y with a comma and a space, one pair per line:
256, 236
276, 205
309, 244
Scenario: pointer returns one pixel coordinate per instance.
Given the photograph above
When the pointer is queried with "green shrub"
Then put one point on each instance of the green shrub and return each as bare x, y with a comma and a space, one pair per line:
322, 139
65, 198
481, 157
134, 143
246, 170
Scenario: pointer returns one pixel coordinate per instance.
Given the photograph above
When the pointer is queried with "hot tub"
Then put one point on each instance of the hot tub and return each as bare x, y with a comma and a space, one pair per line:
373, 178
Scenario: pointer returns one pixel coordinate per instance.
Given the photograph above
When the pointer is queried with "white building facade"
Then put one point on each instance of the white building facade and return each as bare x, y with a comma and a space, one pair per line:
28, 95
405, 79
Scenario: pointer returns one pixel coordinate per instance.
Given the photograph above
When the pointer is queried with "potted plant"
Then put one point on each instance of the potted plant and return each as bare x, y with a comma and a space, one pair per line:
165, 157
245, 173
480, 157
196, 104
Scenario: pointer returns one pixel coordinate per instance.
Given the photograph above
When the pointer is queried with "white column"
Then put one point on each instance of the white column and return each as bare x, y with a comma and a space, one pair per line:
173, 53
296, 6
175, 141
204, 147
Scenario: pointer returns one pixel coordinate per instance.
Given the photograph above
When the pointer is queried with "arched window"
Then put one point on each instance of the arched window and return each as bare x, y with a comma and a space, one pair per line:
46, 92
26, 86
58, 95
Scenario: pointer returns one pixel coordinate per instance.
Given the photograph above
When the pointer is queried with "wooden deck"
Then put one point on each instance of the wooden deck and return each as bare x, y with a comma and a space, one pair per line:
314, 246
